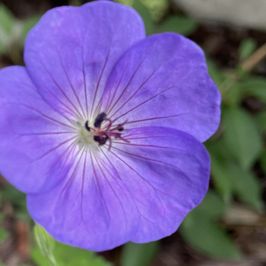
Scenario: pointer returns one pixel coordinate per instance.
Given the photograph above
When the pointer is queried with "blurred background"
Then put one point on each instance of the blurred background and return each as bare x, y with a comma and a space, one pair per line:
229, 227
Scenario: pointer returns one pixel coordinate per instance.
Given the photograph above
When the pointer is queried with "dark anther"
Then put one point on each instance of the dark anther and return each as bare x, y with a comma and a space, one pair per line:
99, 119
101, 139
120, 128
87, 126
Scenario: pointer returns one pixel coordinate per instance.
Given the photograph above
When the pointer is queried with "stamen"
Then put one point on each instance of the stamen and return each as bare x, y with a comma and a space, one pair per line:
87, 125
99, 119
104, 131
101, 139
120, 128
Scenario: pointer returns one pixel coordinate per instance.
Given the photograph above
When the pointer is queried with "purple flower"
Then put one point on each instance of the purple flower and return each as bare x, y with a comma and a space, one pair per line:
102, 128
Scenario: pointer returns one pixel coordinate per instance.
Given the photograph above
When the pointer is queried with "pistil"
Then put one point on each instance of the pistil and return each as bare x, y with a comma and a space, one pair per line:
103, 130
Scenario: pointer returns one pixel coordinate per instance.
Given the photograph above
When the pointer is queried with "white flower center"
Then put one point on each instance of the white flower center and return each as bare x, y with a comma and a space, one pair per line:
85, 137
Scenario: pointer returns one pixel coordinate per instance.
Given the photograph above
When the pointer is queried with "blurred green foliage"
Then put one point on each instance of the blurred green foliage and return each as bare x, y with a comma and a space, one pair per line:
202, 231
139, 254
13, 33
52, 253
235, 150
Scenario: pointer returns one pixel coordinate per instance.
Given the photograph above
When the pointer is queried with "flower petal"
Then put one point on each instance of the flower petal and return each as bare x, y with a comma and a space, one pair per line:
32, 134
138, 191
163, 80
72, 49
172, 169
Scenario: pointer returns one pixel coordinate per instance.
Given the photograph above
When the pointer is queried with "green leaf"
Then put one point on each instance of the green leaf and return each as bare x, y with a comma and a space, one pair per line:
69, 256
52, 253
246, 87
27, 26
157, 8
243, 183
208, 237
253, 86
139, 254
261, 121
180, 24
233, 95
215, 72
241, 136
247, 187
46, 244
222, 180
247, 47
15, 197
3, 235
212, 206
229, 179
2, 46
146, 16
126, 2
7, 20
263, 161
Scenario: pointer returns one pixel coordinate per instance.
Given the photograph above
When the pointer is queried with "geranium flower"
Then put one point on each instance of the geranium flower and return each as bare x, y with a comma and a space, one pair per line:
103, 127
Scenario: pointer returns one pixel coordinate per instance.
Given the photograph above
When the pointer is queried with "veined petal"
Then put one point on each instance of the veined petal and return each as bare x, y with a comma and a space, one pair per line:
71, 51
90, 209
163, 80
138, 191
34, 138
